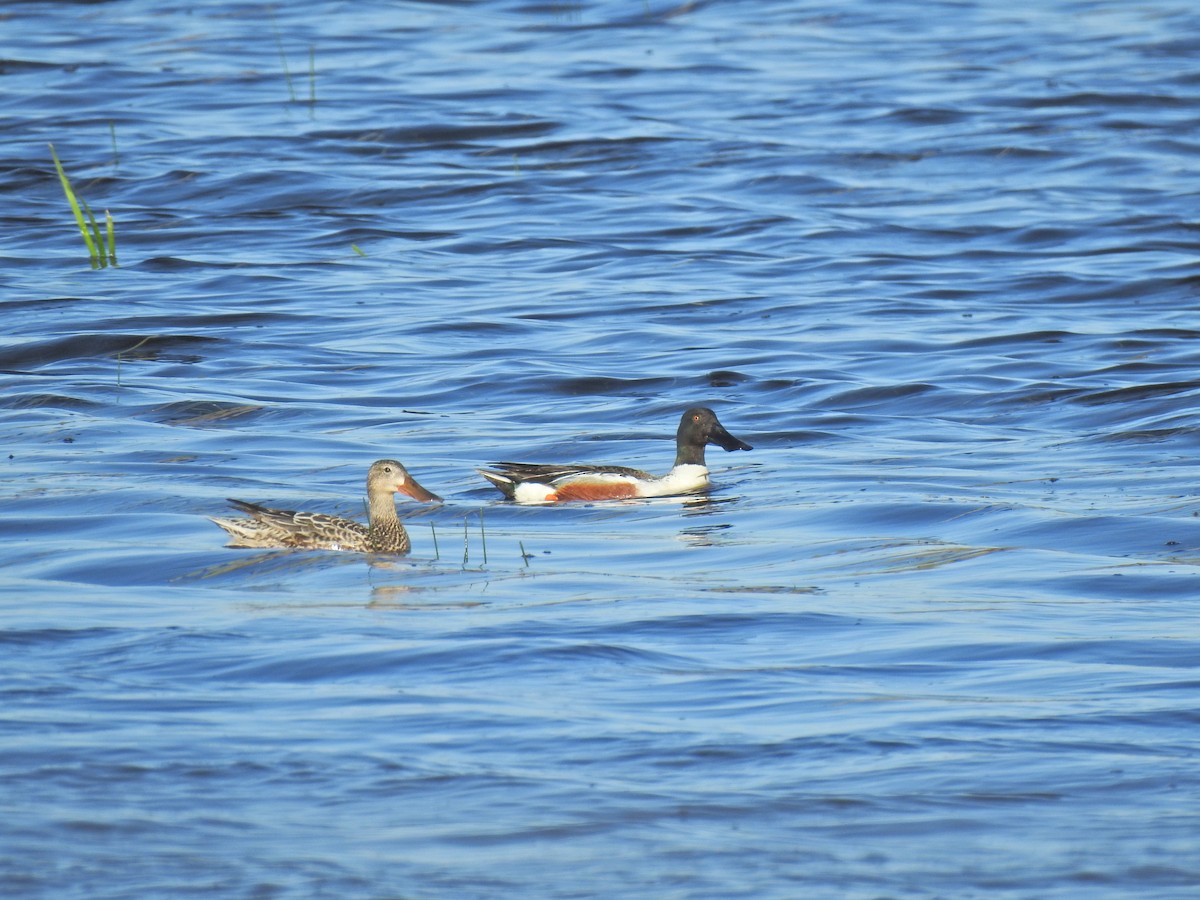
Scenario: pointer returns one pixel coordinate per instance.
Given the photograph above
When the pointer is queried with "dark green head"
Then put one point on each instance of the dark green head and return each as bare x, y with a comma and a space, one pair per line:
697, 429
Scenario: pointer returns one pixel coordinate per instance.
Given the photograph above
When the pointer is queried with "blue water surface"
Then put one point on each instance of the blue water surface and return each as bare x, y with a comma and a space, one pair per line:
933, 637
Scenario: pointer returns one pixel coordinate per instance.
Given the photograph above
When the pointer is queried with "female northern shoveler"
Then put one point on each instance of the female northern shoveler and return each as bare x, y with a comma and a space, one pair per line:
317, 531
538, 483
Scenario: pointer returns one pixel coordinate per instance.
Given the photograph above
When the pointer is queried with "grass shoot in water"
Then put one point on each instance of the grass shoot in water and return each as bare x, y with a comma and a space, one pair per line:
287, 71
467, 541
287, 74
101, 245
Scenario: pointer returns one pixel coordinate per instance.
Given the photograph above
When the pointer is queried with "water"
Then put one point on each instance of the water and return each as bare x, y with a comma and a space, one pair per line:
933, 637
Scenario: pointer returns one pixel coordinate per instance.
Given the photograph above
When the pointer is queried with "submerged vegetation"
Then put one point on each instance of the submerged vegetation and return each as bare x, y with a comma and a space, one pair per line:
467, 539
287, 72
101, 243
121, 355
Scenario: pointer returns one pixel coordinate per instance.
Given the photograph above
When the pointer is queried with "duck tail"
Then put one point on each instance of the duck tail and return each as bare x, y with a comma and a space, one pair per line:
501, 481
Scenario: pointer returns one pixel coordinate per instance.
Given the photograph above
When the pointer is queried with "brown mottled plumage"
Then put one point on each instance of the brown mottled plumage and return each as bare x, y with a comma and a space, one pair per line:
317, 531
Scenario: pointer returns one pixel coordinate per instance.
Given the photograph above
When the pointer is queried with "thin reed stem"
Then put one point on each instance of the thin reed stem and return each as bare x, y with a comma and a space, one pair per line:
121, 354
287, 73
112, 237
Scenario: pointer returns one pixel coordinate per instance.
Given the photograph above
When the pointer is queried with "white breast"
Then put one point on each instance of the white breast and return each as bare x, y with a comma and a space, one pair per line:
680, 480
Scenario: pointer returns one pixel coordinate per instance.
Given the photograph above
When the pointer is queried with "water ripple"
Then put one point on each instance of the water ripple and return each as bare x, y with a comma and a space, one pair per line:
937, 264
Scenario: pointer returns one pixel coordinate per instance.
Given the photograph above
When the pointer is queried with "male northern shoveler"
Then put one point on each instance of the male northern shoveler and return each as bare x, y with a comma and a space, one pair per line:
539, 483
317, 531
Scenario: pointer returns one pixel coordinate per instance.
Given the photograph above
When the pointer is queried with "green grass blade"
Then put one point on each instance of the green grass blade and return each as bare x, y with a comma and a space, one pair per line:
66, 186
100, 260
